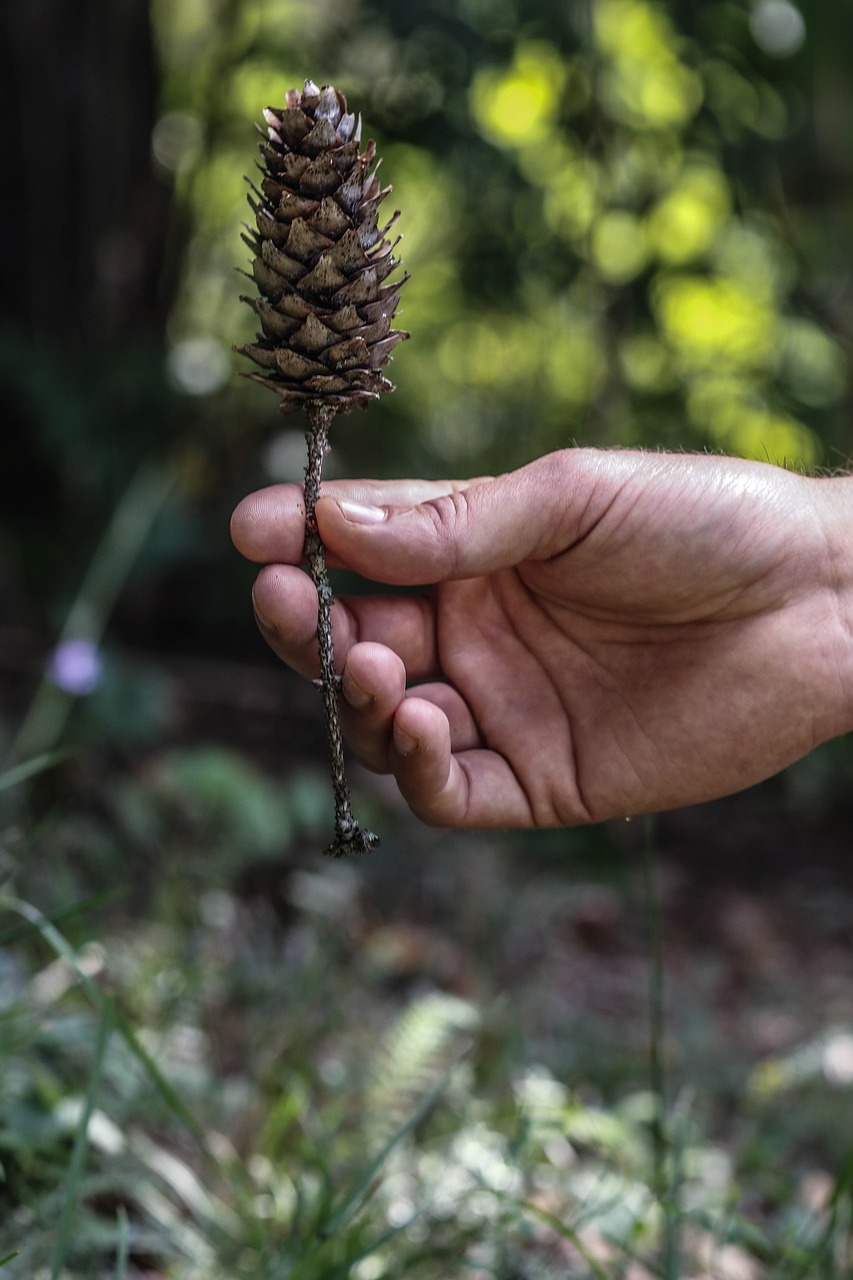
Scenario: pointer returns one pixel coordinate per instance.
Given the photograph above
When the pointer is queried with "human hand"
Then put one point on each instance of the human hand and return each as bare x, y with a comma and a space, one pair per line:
606, 633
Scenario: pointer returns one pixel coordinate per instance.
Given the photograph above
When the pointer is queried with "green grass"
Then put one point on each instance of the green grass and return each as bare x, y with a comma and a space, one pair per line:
472, 1071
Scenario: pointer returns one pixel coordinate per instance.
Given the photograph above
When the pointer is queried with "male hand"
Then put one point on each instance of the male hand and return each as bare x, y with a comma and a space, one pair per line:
603, 633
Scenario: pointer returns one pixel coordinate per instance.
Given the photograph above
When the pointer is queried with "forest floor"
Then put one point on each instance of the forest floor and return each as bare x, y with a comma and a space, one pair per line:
289, 997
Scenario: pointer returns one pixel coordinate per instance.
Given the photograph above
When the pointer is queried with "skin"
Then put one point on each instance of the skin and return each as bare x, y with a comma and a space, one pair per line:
600, 634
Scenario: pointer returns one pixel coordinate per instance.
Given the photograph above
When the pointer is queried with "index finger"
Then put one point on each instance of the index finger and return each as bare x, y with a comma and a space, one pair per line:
268, 526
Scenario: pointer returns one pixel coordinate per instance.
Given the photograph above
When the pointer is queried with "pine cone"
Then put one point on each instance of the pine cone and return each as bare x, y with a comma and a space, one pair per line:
320, 258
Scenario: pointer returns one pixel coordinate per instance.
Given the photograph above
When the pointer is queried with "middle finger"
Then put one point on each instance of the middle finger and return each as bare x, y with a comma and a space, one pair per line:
286, 604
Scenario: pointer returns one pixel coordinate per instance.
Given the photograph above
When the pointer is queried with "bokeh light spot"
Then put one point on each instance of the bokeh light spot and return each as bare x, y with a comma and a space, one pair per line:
707, 318
176, 141
515, 106
685, 223
619, 246
199, 366
777, 27
76, 666
812, 364
645, 363
646, 84
769, 437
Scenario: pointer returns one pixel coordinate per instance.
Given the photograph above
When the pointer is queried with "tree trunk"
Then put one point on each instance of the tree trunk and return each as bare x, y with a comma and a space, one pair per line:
85, 235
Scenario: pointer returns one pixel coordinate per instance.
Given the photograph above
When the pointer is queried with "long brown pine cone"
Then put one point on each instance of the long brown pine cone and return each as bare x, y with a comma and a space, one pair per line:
320, 261
320, 258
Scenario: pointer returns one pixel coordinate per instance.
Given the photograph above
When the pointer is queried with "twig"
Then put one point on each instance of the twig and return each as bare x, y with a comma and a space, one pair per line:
350, 838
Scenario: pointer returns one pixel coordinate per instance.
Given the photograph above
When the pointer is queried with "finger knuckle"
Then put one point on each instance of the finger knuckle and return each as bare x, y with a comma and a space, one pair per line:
449, 516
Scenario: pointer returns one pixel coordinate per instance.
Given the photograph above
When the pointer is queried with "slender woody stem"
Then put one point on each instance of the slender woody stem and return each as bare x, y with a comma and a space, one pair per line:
350, 838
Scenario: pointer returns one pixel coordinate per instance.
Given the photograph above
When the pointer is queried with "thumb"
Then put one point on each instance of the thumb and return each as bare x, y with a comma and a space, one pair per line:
532, 513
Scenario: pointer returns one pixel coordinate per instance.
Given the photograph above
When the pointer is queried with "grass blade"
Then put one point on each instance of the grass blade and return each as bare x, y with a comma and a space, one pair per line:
20, 772
123, 1250
567, 1233
11, 936
78, 1152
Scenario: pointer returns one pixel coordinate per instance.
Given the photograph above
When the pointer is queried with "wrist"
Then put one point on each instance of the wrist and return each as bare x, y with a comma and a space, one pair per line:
837, 519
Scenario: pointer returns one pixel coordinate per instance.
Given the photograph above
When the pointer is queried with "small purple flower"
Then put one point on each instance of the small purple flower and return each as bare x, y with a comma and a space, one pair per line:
75, 666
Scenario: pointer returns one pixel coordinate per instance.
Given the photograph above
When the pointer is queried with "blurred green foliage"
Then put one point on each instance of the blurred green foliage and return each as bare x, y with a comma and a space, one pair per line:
600, 211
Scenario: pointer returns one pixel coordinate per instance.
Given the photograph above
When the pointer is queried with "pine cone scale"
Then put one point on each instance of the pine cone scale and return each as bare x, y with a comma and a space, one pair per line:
344, 320
289, 128
274, 324
305, 244
321, 178
321, 137
277, 261
330, 219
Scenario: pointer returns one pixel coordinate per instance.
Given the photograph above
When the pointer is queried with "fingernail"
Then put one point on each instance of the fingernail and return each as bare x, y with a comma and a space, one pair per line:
358, 513
354, 694
404, 742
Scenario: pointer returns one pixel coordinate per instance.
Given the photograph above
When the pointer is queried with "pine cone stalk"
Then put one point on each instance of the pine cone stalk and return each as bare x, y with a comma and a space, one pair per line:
320, 263
350, 838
